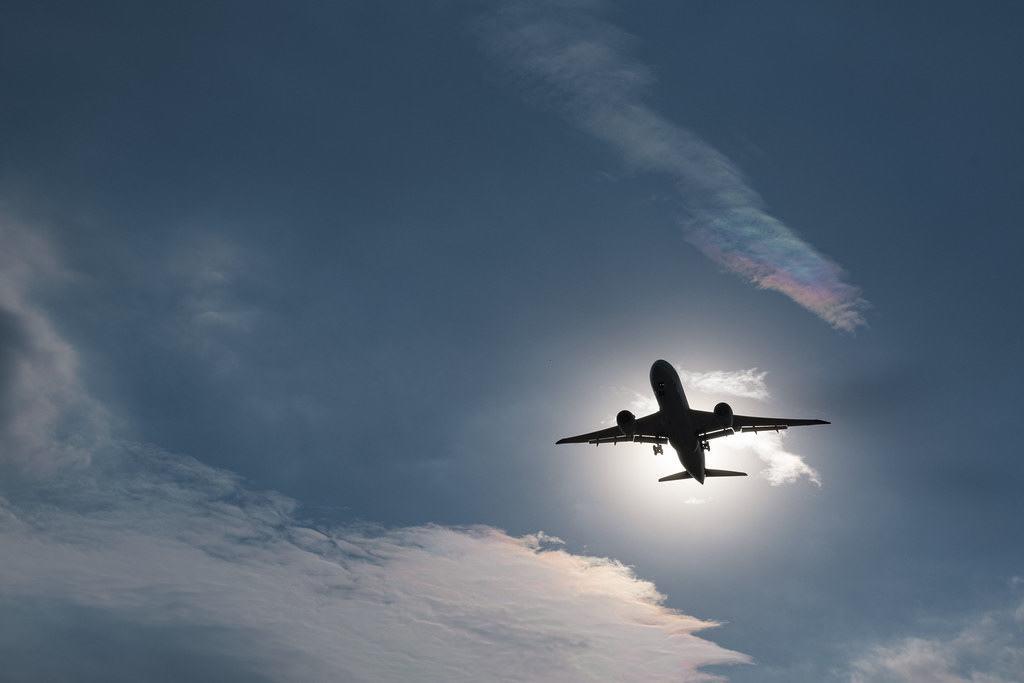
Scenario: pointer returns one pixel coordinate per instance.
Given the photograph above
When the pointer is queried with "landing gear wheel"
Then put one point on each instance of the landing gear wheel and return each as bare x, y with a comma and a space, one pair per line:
658, 450
705, 446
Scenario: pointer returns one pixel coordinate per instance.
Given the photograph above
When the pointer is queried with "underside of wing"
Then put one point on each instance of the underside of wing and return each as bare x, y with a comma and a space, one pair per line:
746, 422
646, 429
712, 426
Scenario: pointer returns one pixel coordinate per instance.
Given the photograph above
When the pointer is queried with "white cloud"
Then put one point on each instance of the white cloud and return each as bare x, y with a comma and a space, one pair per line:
747, 383
160, 539
782, 467
988, 650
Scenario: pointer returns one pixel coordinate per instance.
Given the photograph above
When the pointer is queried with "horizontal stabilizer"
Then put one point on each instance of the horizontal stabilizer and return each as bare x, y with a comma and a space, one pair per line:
677, 476
723, 473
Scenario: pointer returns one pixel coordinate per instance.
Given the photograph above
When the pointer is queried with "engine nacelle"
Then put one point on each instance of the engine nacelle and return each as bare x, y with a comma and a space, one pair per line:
723, 413
626, 421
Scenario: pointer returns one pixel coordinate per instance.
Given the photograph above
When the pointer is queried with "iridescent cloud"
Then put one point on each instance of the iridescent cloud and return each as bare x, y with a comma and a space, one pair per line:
567, 58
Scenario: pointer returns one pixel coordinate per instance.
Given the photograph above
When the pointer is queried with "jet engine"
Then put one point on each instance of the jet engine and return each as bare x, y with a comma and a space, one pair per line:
723, 412
626, 421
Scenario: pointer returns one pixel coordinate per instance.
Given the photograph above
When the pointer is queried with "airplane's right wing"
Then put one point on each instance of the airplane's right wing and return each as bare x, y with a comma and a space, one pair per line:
646, 429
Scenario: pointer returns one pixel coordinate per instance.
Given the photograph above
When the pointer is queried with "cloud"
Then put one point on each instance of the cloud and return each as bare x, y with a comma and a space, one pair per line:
782, 467
565, 57
205, 275
47, 419
135, 550
163, 540
743, 383
988, 650
717, 383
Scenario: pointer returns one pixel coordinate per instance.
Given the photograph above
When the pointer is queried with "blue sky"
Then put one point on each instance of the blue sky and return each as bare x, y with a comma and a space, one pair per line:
294, 302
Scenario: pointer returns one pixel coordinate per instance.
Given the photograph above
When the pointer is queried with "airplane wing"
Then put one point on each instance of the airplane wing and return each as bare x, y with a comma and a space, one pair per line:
743, 421
708, 422
648, 429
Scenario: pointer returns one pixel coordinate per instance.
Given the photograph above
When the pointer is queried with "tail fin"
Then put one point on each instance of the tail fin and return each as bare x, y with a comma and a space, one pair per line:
723, 473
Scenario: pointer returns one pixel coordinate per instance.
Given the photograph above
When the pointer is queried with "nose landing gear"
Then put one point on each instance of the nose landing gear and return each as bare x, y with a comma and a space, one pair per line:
658, 450
704, 445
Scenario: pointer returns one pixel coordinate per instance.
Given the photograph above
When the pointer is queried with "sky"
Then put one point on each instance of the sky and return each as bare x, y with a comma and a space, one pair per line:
295, 300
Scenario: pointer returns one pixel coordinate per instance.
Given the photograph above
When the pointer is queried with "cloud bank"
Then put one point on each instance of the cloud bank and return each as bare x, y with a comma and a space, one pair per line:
567, 58
179, 543
124, 562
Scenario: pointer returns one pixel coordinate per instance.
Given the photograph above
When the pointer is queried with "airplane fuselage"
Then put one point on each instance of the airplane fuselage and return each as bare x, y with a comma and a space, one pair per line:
677, 419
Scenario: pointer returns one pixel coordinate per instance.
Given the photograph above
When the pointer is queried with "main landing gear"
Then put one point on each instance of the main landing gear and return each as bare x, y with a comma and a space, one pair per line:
658, 450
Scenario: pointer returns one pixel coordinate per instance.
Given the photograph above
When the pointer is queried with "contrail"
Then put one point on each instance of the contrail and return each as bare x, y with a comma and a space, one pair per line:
569, 59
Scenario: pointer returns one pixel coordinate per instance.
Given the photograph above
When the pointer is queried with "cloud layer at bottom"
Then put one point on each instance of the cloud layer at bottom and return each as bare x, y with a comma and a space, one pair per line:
163, 543
122, 562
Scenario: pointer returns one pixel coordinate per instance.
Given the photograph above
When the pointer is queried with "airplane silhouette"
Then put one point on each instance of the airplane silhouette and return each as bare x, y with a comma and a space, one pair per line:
689, 431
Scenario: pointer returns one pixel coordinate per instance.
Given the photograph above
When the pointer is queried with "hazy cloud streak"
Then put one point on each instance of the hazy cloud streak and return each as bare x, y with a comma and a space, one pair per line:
781, 466
743, 383
567, 58
988, 650
47, 419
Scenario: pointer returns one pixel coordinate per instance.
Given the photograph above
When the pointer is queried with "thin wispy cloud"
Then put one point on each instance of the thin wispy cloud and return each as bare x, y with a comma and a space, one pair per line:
47, 419
159, 543
748, 383
204, 274
781, 466
566, 57
987, 649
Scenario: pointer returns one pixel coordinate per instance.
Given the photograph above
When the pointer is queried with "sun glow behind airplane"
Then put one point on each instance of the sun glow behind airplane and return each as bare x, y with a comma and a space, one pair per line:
625, 490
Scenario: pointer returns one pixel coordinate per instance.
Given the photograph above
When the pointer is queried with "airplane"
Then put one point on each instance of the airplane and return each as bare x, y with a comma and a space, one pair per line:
689, 431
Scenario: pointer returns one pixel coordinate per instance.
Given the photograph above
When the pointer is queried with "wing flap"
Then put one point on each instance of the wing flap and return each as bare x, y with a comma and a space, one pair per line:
636, 438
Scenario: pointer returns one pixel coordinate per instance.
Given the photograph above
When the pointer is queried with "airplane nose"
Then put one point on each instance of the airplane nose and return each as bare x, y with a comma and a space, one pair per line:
658, 368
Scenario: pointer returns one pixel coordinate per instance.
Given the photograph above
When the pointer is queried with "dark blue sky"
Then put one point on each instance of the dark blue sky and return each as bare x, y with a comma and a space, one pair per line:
378, 258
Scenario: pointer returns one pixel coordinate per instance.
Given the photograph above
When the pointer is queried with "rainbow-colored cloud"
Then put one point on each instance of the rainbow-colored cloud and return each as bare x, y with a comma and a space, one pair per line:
573, 61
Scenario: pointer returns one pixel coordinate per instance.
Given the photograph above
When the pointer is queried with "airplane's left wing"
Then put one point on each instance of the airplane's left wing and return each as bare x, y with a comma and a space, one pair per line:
646, 429
708, 422
740, 421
